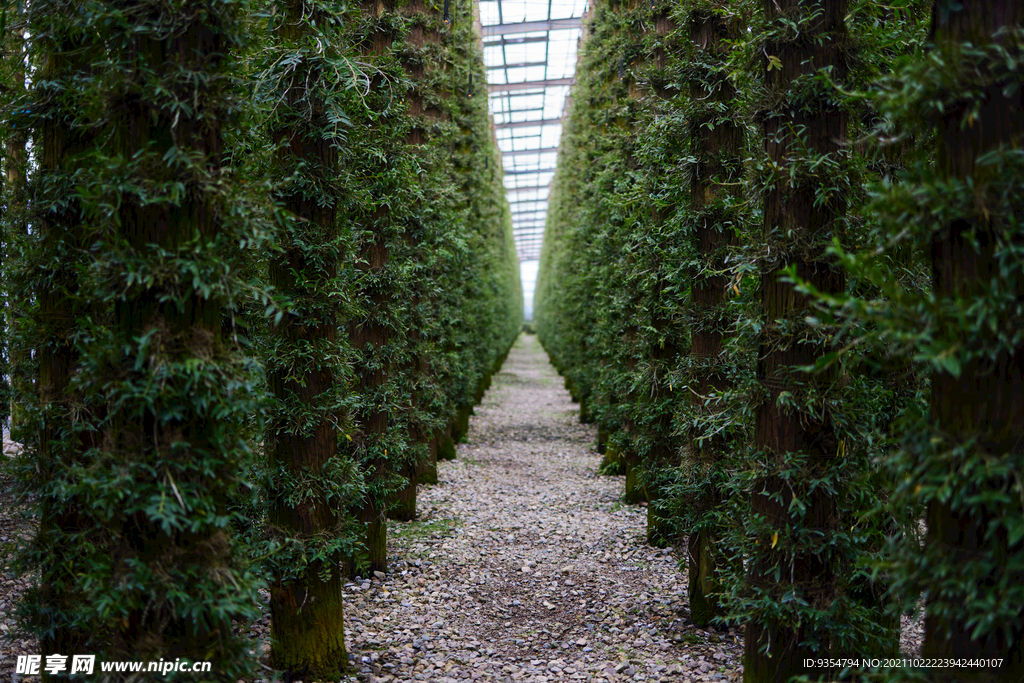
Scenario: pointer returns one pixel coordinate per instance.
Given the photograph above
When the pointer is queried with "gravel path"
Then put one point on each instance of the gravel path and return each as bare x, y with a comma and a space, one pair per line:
524, 565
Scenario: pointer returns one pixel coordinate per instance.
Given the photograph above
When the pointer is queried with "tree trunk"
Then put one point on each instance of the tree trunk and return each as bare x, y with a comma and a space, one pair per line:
774, 649
427, 473
174, 383
446, 445
308, 635
14, 178
370, 336
981, 408
719, 146
62, 243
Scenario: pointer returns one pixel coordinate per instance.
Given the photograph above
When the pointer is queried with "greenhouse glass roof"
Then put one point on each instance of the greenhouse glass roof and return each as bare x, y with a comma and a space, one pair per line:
530, 53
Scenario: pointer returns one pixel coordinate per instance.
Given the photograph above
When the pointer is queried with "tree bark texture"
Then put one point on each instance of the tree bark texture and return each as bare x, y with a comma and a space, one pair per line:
773, 651
63, 242
719, 145
371, 337
173, 423
307, 628
985, 402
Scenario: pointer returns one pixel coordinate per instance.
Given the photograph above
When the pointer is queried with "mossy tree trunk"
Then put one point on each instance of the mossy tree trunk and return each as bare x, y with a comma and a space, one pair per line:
665, 339
177, 391
775, 649
719, 145
307, 372
14, 223
62, 132
975, 553
375, 341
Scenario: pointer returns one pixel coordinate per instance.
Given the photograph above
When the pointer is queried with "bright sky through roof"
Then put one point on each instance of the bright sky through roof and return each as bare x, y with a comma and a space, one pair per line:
530, 54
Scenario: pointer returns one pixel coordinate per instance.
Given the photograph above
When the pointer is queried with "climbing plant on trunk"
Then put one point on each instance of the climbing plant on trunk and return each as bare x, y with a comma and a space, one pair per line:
61, 420
139, 233
176, 389
709, 418
960, 457
975, 532
311, 84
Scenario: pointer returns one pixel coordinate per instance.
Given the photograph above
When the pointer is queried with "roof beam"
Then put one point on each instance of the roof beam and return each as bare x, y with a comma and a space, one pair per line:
530, 26
528, 85
517, 66
529, 187
539, 170
509, 112
539, 150
527, 124
502, 40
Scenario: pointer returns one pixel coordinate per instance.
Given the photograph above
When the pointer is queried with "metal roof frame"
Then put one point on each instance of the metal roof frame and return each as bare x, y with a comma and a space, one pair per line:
530, 54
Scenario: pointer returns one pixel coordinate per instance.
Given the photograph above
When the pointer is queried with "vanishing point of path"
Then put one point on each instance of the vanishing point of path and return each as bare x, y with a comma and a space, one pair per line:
524, 565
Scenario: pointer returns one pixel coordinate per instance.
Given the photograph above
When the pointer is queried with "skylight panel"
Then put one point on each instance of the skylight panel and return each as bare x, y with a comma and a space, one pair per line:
488, 12
527, 114
512, 12
550, 135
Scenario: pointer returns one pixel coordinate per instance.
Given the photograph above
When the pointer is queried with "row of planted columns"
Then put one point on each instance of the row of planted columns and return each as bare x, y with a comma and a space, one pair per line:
712, 181
257, 296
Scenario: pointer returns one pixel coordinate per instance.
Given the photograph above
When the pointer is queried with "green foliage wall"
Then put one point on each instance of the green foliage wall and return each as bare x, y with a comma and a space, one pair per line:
128, 275
257, 287
649, 174
438, 282
959, 454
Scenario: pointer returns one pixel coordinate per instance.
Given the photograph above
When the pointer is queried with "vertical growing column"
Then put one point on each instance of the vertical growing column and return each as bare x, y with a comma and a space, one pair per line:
802, 125
423, 57
310, 483
13, 216
159, 372
377, 334
717, 138
657, 228
59, 425
972, 564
